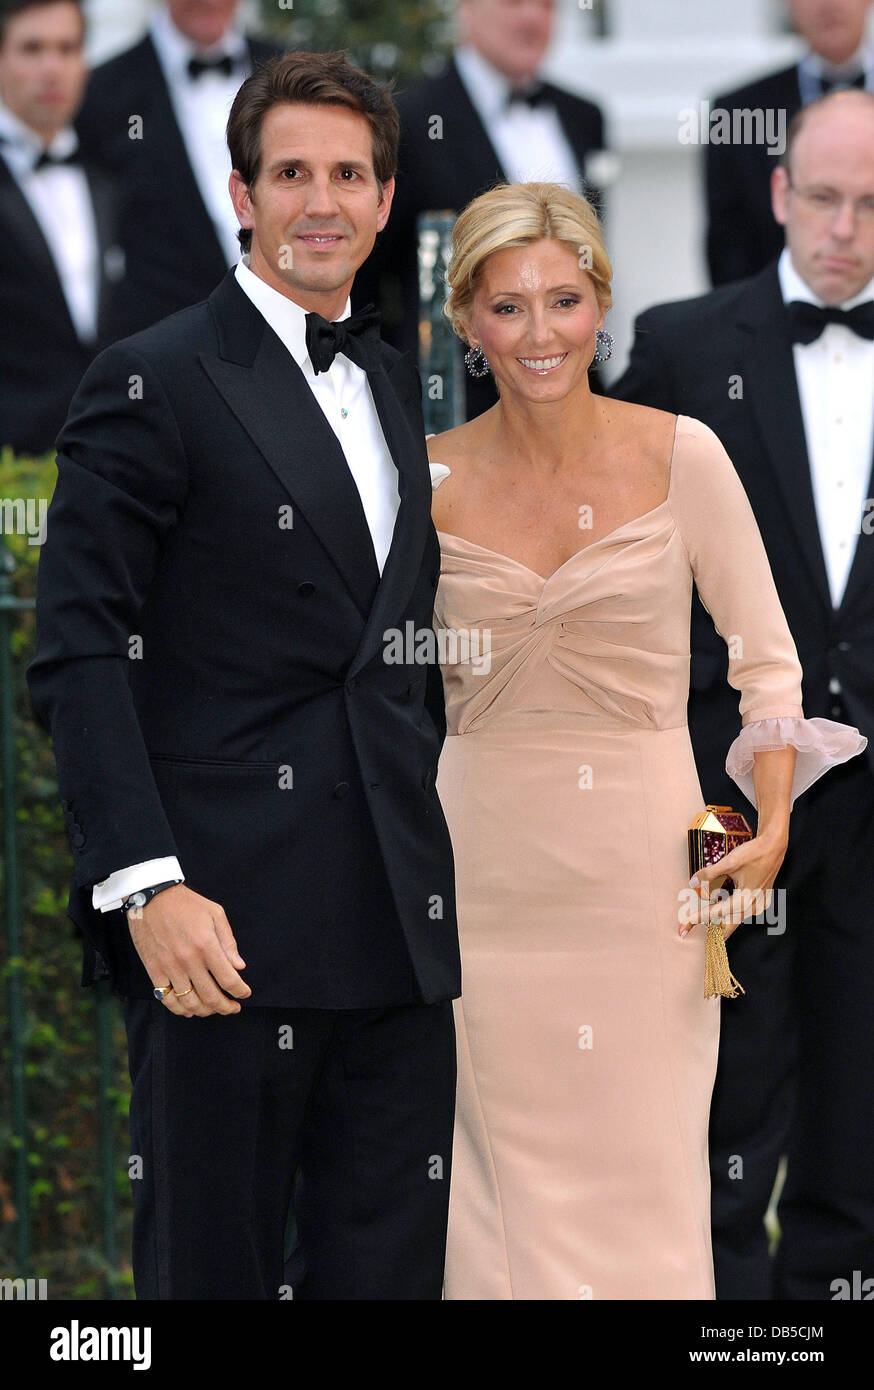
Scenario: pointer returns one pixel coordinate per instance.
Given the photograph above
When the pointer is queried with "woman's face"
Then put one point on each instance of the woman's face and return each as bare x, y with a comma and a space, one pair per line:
535, 313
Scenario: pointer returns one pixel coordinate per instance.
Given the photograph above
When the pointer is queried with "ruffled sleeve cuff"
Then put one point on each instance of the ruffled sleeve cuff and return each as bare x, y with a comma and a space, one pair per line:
820, 744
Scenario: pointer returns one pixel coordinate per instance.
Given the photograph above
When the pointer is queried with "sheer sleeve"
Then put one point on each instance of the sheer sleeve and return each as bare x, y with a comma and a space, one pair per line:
730, 567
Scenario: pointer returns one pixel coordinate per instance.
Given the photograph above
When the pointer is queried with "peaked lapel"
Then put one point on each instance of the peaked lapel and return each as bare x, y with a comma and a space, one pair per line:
473, 149
767, 368
861, 577
401, 569
105, 204
269, 395
580, 135
165, 138
26, 236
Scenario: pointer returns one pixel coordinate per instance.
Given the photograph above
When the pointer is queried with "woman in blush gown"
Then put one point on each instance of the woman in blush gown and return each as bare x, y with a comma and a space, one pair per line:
571, 529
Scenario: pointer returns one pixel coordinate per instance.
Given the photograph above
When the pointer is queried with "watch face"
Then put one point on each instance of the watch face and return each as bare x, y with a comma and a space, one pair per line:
137, 900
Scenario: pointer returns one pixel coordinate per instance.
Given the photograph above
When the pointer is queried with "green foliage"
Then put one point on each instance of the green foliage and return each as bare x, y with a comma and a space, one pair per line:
61, 1068
388, 38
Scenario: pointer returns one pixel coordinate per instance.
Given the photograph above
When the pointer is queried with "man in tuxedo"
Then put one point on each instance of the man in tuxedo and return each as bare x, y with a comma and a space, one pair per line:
781, 366
742, 236
155, 116
487, 118
58, 216
240, 526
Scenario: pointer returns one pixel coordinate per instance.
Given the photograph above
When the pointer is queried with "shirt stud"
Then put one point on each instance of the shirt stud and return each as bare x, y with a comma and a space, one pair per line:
343, 411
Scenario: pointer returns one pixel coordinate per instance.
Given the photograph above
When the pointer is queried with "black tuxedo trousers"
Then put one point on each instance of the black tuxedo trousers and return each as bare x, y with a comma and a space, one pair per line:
341, 1119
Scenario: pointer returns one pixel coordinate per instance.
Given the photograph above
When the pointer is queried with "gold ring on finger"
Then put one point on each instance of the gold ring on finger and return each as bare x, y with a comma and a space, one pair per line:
180, 994
160, 990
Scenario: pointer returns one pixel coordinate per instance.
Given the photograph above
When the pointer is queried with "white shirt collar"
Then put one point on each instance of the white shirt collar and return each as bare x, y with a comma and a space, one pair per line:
174, 49
487, 87
23, 139
793, 287
285, 317
862, 60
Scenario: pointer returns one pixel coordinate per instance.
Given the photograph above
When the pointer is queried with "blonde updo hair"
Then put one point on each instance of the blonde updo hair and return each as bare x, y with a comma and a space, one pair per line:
518, 214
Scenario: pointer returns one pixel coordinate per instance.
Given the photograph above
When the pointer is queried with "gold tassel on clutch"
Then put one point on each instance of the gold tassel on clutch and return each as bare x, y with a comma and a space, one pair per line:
714, 833
718, 978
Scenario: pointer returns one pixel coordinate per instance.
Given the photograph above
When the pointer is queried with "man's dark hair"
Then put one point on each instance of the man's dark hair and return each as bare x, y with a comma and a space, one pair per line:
10, 8
321, 79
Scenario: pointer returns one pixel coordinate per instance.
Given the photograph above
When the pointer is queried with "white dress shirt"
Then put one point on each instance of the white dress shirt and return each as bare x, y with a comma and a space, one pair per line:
344, 396
60, 200
835, 377
201, 106
529, 141
813, 68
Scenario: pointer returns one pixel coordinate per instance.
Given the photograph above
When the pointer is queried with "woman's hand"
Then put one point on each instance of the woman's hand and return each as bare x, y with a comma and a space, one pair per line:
753, 866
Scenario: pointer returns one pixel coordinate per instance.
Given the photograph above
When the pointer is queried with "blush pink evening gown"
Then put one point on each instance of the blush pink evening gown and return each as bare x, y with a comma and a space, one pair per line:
586, 1048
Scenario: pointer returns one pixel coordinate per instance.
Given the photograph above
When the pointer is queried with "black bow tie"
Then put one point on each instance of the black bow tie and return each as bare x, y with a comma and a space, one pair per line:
838, 84
530, 96
47, 160
356, 337
198, 66
807, 320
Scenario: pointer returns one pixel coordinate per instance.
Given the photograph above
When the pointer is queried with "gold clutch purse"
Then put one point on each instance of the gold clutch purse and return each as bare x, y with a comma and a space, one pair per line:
713, 833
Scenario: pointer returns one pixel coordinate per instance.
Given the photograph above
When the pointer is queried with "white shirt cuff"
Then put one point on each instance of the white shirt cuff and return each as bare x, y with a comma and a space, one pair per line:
111, 892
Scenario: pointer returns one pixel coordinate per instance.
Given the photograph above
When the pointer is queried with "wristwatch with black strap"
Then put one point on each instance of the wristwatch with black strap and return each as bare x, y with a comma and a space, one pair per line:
142, 896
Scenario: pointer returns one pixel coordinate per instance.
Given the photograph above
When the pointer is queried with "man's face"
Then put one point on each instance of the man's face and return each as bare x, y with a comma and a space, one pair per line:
833, 28
202, 21
828, 208
315, 207
513, 35
42, 68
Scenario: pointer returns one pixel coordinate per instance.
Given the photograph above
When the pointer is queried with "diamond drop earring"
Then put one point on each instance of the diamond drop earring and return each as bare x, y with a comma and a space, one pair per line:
604, 350
476, 361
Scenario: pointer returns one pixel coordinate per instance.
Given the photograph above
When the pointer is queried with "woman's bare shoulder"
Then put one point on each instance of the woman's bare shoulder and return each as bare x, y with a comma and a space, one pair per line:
643, 435
452, 446
643, 423
456, 450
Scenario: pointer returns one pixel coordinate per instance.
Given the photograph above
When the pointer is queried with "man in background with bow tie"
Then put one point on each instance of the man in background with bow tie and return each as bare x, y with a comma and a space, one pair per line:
741, 235
241, 522
781, 366
59, 279
155, 117
487, 118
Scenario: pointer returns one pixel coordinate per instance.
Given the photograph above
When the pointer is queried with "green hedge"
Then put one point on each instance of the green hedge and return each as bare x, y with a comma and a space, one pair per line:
62, 1070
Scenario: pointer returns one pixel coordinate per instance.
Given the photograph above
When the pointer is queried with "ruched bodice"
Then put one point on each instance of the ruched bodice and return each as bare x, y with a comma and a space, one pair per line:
607, 633
585, 639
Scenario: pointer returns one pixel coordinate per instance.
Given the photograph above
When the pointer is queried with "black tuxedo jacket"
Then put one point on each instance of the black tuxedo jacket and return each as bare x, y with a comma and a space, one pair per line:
694, 357
173, 254
42, 358
742, 236
447, 174
210, 661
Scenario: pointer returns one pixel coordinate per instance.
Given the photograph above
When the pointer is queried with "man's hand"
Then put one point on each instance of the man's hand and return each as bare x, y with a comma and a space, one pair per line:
186, 940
